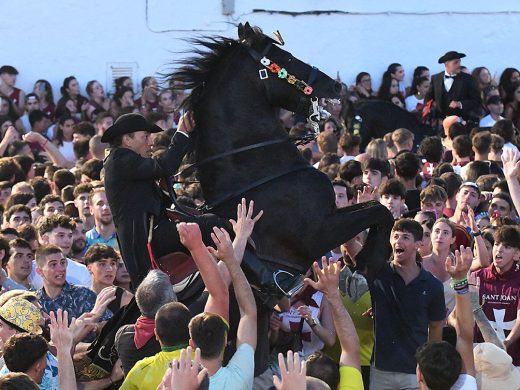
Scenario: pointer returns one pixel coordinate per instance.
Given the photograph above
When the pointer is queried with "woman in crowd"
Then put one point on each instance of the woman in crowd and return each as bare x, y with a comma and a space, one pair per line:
483, 77
63, 137
43, 89
512, 104
97, 101
389, 90
7, 109
123, 99
123, 82
442, 237
397, 72
149, 100
415, 102
507, 78
70, 91
363, 88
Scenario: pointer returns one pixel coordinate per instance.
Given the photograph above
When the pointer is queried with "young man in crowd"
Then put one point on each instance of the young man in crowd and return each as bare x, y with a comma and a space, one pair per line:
407, 168
342, 192
57, 230
403, 140
19, 265
375, 172
32, 102
57, 293
27, 353
468, 197
81, 201
440, 365
51, 204
500, 289
501, 205
433, 198
16, 216
102, 260
209, 331
495, 106
393, 195
104, 231
408, 306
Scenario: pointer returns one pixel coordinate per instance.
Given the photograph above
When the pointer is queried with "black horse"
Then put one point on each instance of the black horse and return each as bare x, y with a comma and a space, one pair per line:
378, 117
243, 151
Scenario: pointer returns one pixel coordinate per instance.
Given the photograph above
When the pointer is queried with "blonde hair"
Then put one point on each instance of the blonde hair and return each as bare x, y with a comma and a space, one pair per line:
377, 149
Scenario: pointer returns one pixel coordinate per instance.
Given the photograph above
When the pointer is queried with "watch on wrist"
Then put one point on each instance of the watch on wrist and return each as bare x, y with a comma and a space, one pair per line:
477, 233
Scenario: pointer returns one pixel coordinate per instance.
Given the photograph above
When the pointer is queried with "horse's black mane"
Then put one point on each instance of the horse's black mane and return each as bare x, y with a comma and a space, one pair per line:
195, 71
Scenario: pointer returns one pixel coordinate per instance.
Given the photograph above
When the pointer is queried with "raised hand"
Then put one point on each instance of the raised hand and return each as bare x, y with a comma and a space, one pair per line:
463, 260
245, 222
105, 296
293, 375
511, 165
328, 276
184, 373
34, 137
224, 251
469, 220
367, 195
84, 324
62, 335
11, 134
190, 235
186, 123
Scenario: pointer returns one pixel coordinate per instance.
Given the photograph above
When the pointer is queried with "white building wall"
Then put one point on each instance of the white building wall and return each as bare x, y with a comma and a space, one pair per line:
54, 39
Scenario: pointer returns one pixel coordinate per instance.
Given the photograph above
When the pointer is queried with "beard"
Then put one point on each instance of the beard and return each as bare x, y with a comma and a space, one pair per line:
78, 245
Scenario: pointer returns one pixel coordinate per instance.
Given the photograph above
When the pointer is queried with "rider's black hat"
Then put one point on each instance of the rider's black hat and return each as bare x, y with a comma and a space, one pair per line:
129, 123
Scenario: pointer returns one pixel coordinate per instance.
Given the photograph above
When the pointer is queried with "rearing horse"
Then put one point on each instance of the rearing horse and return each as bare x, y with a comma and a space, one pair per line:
242, 149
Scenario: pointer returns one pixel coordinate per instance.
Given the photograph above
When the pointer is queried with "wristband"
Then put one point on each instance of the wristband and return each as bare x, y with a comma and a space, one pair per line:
45, 143
477, 233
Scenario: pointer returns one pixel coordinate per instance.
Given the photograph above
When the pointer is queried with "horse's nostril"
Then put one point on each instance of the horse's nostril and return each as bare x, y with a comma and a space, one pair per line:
337, 87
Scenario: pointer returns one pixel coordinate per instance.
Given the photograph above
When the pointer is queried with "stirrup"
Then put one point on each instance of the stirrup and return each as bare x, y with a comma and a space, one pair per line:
296, 283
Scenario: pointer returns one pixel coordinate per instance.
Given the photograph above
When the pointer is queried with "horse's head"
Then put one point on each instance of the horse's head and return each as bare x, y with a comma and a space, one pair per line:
288, 82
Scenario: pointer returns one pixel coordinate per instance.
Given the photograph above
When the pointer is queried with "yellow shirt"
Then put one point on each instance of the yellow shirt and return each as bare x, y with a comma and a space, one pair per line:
364, 327
148, 373
350, 378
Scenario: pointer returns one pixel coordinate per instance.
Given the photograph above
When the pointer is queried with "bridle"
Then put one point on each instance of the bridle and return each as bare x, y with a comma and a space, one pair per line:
316, 113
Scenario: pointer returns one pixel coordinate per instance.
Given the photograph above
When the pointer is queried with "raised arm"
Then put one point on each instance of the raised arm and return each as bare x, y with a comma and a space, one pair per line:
246, 333
243, 227
511, 167
52, 150
218, 300
464, 312
481, 259
328, 281
62, 338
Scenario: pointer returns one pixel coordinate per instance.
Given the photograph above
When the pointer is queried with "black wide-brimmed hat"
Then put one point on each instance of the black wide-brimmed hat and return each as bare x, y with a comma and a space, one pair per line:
129, 123
451, 55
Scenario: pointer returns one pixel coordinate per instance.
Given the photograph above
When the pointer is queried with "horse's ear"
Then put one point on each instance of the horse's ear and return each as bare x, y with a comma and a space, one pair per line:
245, 32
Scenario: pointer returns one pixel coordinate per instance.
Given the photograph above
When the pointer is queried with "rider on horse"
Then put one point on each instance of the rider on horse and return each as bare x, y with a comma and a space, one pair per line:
139, 206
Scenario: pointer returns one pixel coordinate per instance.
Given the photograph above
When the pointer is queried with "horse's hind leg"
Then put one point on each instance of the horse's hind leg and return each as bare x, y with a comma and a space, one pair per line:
348, 222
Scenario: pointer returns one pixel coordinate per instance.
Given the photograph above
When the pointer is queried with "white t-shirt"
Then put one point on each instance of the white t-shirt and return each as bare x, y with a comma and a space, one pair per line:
510, 146
67, 149
411, 102
344, 159
238, 374
488, 121
77, 274
465, 382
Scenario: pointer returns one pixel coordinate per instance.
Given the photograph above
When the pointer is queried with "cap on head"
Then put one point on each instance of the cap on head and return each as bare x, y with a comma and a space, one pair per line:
22, 315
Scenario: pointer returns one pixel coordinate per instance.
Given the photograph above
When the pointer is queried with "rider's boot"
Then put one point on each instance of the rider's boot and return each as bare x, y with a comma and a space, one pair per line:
270, 286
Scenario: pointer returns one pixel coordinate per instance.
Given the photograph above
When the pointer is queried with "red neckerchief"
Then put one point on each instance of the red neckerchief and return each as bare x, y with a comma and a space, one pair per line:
144, 331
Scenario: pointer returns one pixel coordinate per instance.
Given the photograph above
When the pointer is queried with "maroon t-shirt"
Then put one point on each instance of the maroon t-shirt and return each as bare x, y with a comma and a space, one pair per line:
500, 295
15, 96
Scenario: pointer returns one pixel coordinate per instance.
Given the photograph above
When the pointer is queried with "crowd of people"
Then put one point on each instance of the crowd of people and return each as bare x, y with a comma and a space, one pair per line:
437, 310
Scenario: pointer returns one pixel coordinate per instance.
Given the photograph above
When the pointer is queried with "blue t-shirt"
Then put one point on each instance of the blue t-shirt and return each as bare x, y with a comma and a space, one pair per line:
401, 316
50, 376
